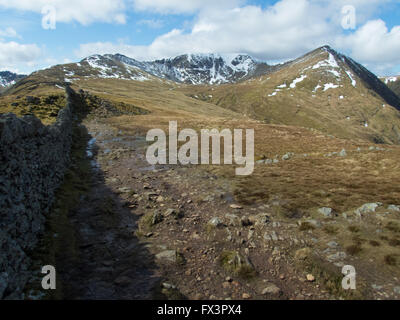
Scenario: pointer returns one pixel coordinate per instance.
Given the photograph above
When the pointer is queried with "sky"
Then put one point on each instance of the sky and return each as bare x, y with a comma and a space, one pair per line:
35, 34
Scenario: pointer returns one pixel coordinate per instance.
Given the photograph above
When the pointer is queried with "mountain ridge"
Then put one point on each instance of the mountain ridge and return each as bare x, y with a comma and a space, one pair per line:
322, 89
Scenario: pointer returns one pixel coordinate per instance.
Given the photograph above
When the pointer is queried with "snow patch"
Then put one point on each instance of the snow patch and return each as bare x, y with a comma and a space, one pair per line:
353, 81
328, 86
296, 81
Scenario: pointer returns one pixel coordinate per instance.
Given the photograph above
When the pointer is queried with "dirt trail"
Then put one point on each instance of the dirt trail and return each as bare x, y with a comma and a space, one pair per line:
113, 263
125, 254
175, 232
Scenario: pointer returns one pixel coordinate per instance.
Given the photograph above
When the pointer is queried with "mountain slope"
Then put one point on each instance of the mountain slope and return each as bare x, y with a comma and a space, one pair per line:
323, 90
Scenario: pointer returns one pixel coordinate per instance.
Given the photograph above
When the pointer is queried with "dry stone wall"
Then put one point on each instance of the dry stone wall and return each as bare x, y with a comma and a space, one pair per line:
33, 160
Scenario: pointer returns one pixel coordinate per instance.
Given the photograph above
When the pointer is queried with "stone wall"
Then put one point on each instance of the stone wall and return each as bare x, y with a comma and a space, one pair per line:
33, 160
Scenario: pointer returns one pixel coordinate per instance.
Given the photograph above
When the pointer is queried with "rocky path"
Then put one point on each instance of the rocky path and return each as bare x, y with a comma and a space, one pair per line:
175, 232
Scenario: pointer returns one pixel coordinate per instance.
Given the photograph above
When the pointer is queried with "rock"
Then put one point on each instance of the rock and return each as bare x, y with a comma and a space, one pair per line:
167, 255
343, 153
236, 206
260, 161
124, 190
303, 254
338, 256
269, 161
246, 296
167, 285
396, 290
367, 208
393, 207
215, 222
333, 244
287, 156
327, 212
271, 289
376, 287
310, 278
314, 223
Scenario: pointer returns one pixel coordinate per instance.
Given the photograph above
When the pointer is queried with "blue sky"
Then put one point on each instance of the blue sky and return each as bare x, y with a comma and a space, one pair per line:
150, 29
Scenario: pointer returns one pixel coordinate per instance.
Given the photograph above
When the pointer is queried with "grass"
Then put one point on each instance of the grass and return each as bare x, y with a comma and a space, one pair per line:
306, 226
391, 260
393, 227
354, 249
330, 278
354, 229
331, 230
233, 262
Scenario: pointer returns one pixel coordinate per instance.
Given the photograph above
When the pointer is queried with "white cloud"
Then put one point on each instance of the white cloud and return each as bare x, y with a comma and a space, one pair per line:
82, 11
282, 31
374, 43
8, 33
15, 56
183, 6
277, 32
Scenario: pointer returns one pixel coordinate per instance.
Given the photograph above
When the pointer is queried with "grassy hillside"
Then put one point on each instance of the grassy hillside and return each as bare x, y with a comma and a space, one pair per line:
345, 111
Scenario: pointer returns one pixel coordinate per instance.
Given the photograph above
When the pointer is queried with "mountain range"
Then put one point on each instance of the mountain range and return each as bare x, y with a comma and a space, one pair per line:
323, 90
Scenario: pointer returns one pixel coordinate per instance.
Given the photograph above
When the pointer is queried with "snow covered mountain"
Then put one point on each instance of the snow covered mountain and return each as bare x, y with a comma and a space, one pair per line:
324, 90
193, 69
8, 78
200, 68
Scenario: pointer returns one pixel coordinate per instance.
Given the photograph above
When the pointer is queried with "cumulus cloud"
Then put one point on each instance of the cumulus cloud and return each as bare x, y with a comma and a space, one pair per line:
84, 12
281, 31
277, 32
15, 56
375, 45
